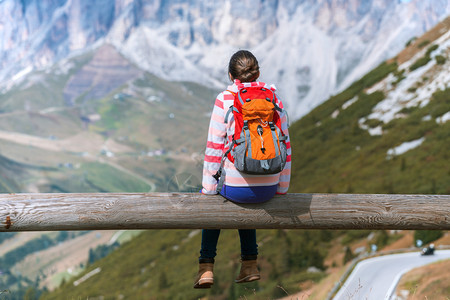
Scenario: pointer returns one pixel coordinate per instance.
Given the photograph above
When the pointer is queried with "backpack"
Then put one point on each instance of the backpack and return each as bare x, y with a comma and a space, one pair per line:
258, 145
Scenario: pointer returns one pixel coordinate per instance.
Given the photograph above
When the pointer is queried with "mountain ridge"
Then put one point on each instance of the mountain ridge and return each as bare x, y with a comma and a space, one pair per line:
331, 43
333, 152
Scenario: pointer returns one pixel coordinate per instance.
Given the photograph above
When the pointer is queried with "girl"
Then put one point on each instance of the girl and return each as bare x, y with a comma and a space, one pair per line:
243, 71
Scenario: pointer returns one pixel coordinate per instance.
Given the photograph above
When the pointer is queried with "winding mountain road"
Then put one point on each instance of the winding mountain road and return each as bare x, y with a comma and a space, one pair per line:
376, 278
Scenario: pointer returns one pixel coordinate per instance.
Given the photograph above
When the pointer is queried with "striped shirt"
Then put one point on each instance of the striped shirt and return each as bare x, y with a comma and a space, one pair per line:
219, 138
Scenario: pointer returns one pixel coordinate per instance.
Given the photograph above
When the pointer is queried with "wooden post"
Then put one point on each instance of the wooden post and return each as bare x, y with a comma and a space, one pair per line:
48, 212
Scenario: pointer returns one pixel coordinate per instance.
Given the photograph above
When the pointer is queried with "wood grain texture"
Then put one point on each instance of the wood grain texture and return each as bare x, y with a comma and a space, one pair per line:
48, 212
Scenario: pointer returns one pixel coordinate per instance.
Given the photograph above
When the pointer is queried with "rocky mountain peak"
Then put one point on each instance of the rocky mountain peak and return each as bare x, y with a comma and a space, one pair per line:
309, 49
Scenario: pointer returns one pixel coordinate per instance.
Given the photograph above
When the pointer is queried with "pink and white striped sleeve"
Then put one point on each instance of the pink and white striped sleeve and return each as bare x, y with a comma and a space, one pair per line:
285, 175
214, 146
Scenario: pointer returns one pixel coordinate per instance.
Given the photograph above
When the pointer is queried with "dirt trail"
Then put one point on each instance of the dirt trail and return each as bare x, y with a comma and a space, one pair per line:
85, 142
425, 282
65, 257
131, 173
89, 142
18, 240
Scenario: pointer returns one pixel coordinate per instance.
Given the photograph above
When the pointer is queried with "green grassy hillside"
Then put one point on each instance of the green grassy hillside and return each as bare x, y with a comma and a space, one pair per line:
164, 262
91, 121
155, 128
335, 155
332, 153
9, 172
117, 131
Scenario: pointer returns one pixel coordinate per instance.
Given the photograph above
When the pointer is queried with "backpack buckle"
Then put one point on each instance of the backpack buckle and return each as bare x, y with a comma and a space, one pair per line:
217, 175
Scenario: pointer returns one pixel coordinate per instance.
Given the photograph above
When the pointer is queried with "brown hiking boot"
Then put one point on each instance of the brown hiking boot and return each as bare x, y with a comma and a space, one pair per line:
249, 272
204, 279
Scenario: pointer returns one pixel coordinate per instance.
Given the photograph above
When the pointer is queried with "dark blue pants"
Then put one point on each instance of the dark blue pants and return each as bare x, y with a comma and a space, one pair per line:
249, 248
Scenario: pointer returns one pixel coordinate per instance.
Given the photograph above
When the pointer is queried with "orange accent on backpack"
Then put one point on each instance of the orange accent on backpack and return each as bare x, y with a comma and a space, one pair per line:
258, 143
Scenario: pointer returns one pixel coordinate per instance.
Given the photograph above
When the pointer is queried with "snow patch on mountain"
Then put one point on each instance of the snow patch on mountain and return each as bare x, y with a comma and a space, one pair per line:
416, 89
444, 118
310, 49
404, 147
349, 102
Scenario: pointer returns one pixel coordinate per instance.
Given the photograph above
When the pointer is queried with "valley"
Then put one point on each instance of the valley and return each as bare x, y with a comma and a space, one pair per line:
128, 111
331, 43
134, 135
115, 129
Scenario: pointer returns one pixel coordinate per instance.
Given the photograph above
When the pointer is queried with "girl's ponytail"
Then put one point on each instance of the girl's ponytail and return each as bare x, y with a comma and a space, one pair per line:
244, 66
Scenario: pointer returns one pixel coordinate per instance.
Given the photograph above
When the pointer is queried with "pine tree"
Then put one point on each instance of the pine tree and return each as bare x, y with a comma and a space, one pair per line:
348, 255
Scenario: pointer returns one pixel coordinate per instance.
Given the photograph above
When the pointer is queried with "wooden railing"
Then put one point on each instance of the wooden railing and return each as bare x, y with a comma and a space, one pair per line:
48, 212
